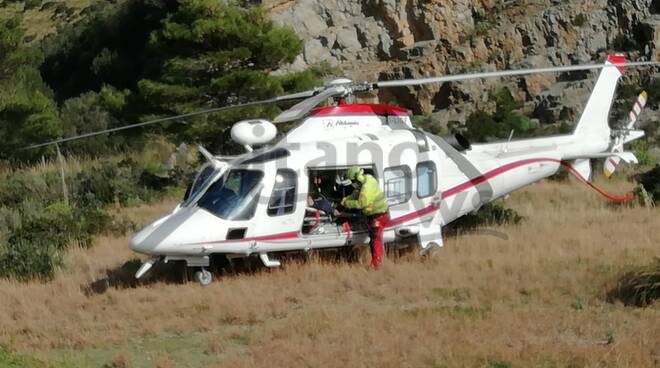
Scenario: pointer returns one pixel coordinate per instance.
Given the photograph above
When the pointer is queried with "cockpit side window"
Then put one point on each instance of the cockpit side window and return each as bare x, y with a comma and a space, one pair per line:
235, 196
283, 199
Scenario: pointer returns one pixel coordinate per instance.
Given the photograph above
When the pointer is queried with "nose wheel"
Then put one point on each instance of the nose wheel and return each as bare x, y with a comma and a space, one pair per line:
204, 277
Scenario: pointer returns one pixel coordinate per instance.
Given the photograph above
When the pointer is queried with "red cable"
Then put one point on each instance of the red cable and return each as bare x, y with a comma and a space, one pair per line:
575, 173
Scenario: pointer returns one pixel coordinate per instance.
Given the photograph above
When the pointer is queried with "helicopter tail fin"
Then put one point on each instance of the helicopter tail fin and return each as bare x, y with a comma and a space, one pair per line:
593, 124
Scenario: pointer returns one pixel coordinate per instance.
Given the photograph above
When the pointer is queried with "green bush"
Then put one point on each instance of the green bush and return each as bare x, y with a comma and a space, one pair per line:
21, 185
580, 20
643, 153
37, 227
109, 183
156, 176
33, 247
54, 226
482, 126
639, 287
493, 213
26, 260
651, 182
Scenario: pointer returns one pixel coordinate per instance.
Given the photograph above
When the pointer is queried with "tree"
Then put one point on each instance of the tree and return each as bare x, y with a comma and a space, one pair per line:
214, 53
108, 47
28, 113
175, 56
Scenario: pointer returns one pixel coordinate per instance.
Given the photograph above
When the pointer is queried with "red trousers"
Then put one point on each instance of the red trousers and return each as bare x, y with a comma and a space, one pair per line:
377, 224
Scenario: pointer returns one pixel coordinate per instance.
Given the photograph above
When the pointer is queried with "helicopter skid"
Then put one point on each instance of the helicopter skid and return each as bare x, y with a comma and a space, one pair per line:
191, 261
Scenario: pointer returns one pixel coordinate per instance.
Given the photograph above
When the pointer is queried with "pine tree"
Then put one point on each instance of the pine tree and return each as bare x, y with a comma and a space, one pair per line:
212, 53
28, 113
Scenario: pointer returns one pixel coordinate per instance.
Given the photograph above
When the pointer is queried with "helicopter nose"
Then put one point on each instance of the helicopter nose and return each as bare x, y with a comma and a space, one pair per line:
155, 237
139, 244
145, 241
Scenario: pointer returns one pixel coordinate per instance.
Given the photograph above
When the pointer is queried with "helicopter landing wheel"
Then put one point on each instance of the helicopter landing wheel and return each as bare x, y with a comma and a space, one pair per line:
204, 277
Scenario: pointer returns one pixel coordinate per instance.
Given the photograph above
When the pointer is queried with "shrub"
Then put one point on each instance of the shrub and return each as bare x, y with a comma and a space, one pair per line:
643, 153
650, 180
36, 227
580, 20
483, 126
156, 176
493, 213
54, 226
85, 114
109, 183
639, 287
18, 186
26, 260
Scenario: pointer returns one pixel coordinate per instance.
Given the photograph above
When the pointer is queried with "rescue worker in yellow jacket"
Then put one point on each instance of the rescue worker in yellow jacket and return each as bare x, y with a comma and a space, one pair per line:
368, 198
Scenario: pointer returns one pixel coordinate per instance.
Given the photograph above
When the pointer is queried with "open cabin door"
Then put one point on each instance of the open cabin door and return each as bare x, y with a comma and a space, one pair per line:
324, 217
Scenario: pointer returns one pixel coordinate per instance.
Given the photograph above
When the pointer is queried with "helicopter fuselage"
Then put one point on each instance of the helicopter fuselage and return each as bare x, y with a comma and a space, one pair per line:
427, 180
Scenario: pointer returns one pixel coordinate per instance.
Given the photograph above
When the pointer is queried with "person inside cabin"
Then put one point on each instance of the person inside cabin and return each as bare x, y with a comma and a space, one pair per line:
370, 200
316, 199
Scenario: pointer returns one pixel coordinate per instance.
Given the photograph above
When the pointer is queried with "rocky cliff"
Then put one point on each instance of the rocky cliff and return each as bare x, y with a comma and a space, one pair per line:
387, 39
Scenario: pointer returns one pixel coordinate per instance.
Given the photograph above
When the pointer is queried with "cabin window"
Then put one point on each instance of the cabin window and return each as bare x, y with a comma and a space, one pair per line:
397, 184
235, 196
283, 199
427, 183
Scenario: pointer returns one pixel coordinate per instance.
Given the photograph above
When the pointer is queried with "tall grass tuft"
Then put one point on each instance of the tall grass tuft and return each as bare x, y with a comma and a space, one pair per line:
639, 287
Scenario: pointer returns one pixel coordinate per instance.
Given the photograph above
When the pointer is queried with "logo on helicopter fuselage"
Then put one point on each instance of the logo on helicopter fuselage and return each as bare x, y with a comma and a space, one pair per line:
331, 124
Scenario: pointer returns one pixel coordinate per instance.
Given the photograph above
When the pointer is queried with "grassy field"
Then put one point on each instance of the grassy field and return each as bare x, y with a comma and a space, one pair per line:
536, 299
43, 19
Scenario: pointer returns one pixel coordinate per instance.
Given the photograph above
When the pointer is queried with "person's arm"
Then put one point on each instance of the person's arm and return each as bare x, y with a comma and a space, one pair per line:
356, 201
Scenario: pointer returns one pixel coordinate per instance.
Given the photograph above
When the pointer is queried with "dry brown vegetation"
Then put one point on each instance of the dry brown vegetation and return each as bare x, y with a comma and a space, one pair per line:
537, 299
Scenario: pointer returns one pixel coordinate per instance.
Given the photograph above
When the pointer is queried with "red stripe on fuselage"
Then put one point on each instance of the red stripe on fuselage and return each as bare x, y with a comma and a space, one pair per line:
272, 237
414, 215
467, 185
434, 207
491, 174
411, 216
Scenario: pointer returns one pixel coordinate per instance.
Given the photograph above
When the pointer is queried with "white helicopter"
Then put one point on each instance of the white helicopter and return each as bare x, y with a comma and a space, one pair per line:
259, 203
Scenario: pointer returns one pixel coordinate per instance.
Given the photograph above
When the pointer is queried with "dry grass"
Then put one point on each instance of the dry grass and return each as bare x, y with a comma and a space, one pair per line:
538, 299
43, 20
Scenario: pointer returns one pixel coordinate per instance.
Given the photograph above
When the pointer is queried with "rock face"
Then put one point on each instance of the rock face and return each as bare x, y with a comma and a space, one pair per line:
388, 39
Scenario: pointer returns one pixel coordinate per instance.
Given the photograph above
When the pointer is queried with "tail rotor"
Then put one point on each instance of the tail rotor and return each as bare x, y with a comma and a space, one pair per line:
625, 135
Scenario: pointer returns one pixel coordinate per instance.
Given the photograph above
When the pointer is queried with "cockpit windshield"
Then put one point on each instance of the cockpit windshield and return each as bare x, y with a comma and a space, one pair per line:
202, 181
234, 196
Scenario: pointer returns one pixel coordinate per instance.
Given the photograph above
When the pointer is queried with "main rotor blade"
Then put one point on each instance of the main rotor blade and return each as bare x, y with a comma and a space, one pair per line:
507, 73
301, 109
293, 96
